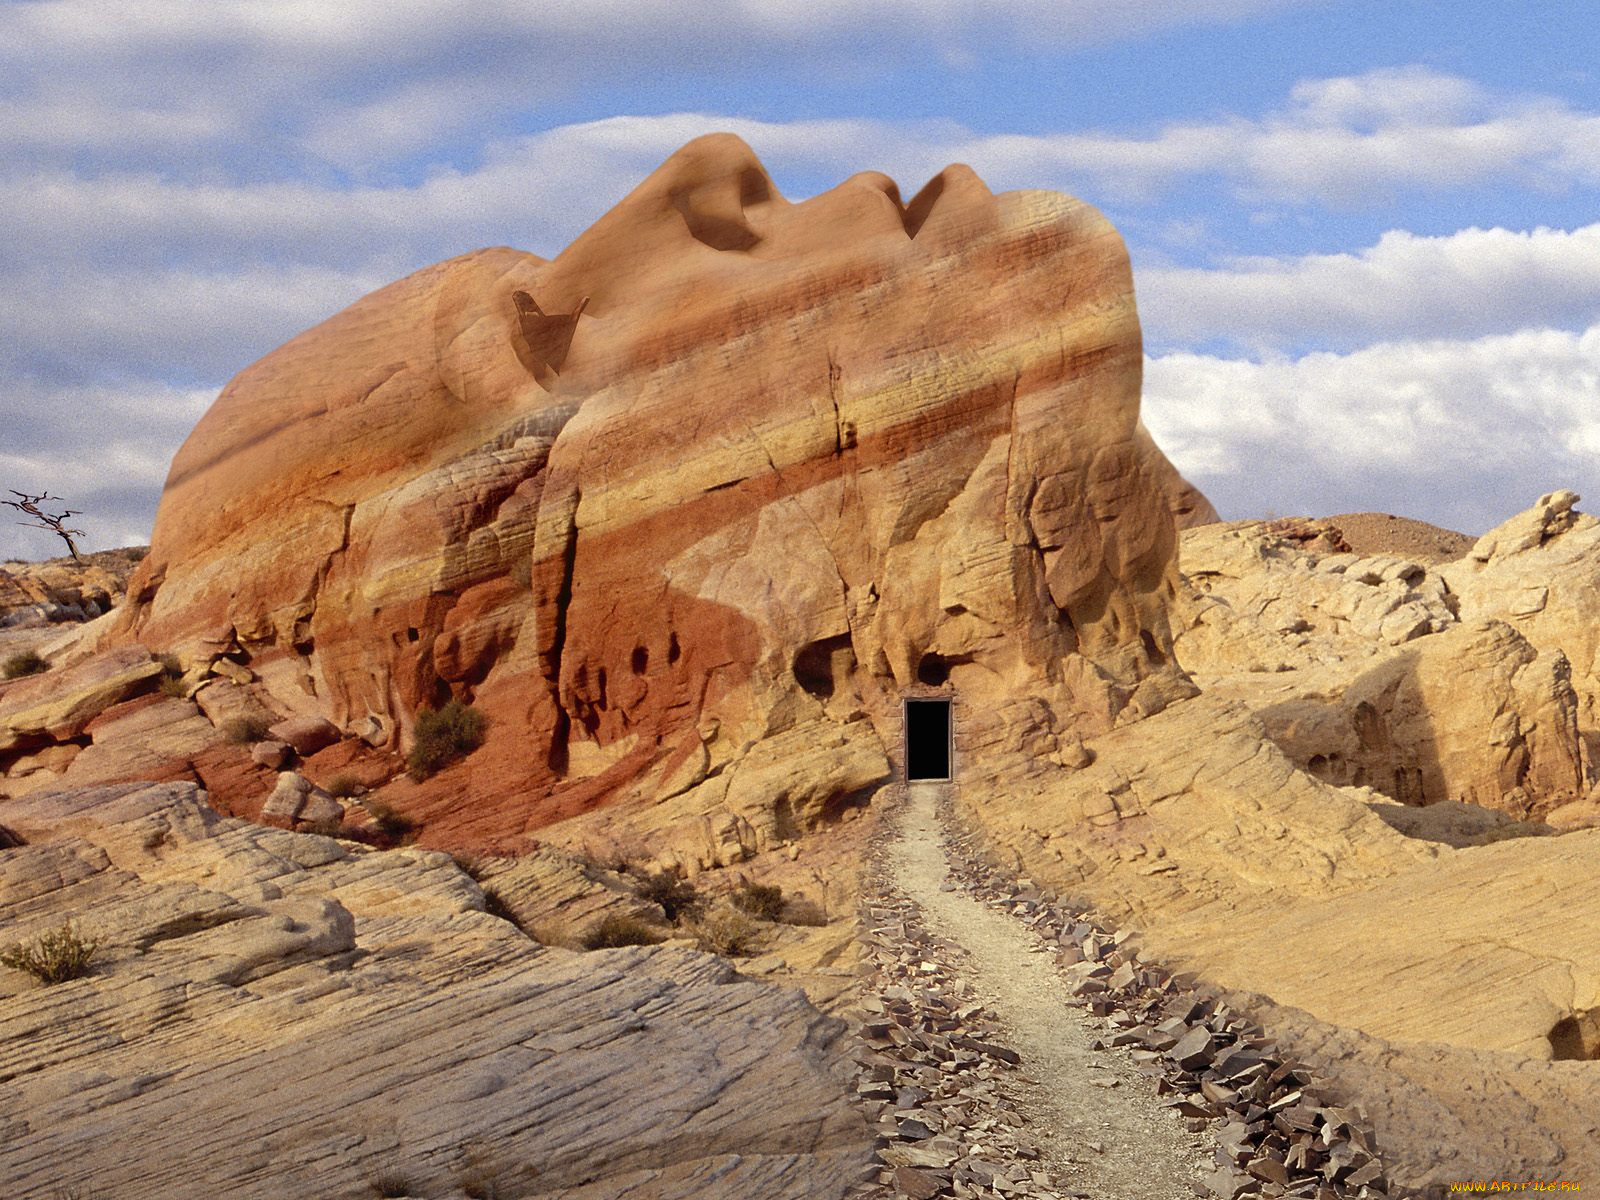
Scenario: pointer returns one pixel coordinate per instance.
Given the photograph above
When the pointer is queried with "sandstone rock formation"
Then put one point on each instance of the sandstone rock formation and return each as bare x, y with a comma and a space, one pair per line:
1382, 672
686, 510
1341, 829
274, 1014
64, 590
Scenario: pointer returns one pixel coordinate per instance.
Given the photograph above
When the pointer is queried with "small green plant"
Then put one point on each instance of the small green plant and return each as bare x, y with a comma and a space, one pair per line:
764, 901
676, 895
54, 956
26, 663
622, 929
726, 931
394, 826
442, 736
344, 787
244, 731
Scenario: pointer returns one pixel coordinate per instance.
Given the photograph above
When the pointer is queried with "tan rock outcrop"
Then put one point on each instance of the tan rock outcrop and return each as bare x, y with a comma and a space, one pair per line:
1540, 573
62, 590
716, 486
1433, 971
352, 1018
1375, 671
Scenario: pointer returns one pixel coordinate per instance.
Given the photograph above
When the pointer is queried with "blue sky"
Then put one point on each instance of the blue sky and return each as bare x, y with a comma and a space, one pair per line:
1365, 235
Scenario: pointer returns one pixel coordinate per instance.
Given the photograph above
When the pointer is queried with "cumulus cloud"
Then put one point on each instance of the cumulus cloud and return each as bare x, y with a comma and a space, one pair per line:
1472, 282
1459, 432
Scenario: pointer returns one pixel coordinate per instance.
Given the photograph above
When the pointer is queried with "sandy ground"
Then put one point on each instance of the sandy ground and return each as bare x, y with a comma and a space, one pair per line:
1097, 1119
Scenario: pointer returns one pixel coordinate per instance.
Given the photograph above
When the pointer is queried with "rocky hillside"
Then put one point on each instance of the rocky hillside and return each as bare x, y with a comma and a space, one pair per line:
1356, 827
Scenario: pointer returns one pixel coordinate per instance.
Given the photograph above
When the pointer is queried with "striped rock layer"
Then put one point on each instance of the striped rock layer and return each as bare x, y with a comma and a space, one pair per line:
686, 510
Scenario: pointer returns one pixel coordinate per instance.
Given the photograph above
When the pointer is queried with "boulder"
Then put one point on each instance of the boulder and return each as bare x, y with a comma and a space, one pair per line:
58, 705
306, 735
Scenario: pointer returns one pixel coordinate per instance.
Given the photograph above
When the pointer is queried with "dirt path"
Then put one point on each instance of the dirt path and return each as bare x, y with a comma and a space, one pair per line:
1096, 1117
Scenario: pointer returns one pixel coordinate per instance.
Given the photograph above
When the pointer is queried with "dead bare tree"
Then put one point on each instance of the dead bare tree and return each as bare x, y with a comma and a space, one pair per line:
56, 523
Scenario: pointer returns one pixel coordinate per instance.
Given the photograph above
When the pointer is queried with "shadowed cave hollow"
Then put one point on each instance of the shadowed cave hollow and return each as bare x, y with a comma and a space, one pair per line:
1576, 1037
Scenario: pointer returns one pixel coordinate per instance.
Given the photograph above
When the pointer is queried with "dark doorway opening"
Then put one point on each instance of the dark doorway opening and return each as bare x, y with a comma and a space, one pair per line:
927, 739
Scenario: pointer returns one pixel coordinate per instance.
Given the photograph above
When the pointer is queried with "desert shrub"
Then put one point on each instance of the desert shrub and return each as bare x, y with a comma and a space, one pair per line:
343, 787
621, 929
442, 736
243, 731
54, 956
726, 931
676, 895
801, 910
763, 901
391, 824
27, 663
390, 1184
553, 933
171, 681
495, 905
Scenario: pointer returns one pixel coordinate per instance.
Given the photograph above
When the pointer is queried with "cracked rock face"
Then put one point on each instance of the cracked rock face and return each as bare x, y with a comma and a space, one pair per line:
355, 1022
686, 510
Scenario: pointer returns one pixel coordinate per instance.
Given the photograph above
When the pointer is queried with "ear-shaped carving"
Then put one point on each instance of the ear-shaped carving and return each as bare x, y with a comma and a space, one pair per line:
546, 338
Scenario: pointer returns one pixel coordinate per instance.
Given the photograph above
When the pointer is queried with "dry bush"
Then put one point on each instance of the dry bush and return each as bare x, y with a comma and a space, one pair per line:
26, 663
725, 930
802, 910
764, 901
621, 929
553, 933
495, 905
392, 826
171, 681
344, 787
390, 1184
245, 731
442, 736
676, 895
54, 956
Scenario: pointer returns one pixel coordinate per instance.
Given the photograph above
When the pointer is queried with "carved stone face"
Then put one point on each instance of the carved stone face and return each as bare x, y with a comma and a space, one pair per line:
727, 468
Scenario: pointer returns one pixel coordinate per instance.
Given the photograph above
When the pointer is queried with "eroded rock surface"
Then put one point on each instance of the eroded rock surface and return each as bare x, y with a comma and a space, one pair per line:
686, 510
1343, 829
353, 1017
1428, 683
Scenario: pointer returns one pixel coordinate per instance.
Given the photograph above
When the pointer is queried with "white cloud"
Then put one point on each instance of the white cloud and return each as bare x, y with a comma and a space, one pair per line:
105, 450
1462, 433
1475, 281
244, 71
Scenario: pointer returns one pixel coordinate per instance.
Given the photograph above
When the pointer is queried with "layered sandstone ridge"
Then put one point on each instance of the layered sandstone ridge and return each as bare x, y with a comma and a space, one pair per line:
355, 1022
686, 510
